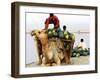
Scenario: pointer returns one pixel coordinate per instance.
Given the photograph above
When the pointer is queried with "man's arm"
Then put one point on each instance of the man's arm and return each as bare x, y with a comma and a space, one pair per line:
46, 23
57, 22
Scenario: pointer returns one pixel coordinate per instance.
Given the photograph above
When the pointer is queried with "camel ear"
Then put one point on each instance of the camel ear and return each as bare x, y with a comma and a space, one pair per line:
32, 33
45, 31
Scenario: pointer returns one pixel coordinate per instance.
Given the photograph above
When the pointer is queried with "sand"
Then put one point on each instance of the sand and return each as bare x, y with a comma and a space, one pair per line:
82, 60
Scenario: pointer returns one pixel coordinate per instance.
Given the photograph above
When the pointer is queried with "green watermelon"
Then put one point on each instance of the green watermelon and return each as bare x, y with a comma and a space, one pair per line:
68, 47
61, 34
53, 31
66, 36
85, 53
65, 33
50, 34
74, 54
78, 54
73, 37
55, 34
85, 50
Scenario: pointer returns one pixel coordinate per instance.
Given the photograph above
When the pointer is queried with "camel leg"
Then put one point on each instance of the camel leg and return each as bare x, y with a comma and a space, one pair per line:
43, 62
57, 59
67, 57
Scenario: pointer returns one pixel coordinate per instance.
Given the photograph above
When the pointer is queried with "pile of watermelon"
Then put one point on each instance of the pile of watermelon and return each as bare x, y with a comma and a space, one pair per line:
78, 51
60, 34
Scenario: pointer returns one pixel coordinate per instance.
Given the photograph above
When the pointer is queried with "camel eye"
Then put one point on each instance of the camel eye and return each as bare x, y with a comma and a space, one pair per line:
32, 33
39, 32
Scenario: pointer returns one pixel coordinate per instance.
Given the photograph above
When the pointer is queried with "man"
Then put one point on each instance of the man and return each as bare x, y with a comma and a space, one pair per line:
82, 44
64, 28
52, 19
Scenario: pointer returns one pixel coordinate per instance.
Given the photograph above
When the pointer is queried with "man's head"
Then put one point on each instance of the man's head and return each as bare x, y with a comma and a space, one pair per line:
64, 27
82, 40
51, 14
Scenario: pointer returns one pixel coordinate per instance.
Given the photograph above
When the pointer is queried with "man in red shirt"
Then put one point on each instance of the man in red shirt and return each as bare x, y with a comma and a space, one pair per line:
52, 19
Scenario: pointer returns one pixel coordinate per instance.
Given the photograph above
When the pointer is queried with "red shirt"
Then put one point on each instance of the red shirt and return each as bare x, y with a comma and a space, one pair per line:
52, 20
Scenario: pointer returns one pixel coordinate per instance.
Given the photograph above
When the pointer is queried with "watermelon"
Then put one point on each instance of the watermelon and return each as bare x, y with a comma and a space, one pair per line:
67, 47
58, 30
88, 51
55, 34
85, 53
73, 37
74, 54
85, 50
65, 33
50, 34
67, 37
49, 29
53, 31
61, 34
78, 55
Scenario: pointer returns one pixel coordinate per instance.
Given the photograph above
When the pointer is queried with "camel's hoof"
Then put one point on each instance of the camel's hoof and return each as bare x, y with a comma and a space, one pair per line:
43, 65
54, 64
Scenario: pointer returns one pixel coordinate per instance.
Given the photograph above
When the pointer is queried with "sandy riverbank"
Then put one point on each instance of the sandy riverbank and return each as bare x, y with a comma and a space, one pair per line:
74, 61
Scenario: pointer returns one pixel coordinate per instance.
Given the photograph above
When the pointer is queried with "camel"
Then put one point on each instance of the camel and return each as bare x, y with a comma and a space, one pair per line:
52, 52
49, 52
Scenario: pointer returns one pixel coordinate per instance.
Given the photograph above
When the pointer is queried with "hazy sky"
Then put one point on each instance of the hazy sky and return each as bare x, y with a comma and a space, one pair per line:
74, 23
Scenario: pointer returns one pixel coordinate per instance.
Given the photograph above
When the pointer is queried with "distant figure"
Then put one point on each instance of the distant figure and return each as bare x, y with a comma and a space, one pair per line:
52, 19
82, 44
64, 28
